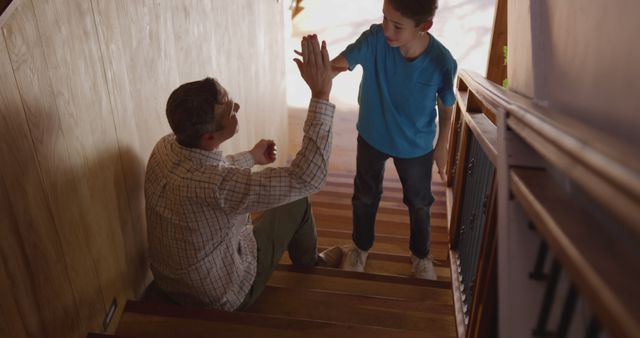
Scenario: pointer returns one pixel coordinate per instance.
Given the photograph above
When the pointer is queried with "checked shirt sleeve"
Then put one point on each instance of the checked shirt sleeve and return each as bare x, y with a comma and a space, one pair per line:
243, 191
240, 160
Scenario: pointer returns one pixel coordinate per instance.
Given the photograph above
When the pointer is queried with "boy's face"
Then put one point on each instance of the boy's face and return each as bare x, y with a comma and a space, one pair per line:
399, 30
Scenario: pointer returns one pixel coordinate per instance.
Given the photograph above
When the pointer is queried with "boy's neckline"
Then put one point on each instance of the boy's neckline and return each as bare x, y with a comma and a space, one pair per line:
420, 51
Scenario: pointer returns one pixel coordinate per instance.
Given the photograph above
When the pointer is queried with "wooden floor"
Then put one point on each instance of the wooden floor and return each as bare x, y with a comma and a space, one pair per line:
384, 301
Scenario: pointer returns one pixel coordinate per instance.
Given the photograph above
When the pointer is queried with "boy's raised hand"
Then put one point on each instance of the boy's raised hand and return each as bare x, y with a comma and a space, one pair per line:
315, 67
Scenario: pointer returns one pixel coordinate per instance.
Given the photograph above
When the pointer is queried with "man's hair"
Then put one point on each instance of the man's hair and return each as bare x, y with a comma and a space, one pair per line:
191, 111
417, 10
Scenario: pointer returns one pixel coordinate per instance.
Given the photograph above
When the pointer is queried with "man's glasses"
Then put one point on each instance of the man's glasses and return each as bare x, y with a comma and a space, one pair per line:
229, 108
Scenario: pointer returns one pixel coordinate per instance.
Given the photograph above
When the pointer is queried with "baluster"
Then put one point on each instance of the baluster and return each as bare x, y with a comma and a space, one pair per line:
538, 270
541, 327
567, 313
467, 267
470, 167
593, 331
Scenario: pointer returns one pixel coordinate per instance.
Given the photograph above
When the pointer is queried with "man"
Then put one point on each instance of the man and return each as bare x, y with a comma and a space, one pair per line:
203, 248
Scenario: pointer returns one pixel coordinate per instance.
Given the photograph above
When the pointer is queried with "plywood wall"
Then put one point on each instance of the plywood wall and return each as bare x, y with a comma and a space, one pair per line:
84, 84
579, 58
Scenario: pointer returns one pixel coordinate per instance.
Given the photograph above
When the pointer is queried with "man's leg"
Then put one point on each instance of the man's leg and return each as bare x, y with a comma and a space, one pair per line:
290, 226
415, 175
367, 190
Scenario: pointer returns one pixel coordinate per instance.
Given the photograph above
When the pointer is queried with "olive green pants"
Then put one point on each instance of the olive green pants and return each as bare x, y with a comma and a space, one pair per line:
288, 227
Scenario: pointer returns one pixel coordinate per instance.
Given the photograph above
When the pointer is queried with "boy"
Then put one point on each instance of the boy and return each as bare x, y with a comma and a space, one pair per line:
405, 72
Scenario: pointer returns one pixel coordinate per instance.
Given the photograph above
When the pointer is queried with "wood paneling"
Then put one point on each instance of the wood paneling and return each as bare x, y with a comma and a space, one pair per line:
31, 245
559, 58
11, 322
84, 85
53, 120
75, 67
497, 67
246, 59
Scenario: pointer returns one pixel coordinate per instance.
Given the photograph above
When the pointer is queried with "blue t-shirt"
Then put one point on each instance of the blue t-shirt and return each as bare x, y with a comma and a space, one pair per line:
398, 97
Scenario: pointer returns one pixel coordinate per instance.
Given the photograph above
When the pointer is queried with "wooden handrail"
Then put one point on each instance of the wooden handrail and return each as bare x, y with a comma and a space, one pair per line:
606, 169
486, 133
601, 265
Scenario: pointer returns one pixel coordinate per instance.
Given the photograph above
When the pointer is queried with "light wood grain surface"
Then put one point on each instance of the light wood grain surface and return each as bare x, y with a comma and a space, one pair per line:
84, 86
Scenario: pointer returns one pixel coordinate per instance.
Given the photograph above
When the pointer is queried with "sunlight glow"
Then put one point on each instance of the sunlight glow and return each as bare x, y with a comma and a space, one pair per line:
464, 26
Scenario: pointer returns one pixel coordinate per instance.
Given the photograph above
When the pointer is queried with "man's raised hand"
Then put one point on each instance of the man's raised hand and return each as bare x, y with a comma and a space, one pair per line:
315, 67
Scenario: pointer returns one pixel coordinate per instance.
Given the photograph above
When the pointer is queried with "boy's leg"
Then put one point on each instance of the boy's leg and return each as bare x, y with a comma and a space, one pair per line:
290, 226
367, 190
415, 175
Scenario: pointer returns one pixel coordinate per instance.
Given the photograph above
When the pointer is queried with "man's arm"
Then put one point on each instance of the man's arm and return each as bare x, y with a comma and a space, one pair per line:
242, 159
241, 190
444, 125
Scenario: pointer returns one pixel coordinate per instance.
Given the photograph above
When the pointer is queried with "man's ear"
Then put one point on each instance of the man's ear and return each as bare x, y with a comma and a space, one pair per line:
425, 26
207, 140
207, 137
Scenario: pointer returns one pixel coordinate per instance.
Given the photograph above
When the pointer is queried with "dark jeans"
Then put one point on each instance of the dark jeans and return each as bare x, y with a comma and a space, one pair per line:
415, 175
288, 227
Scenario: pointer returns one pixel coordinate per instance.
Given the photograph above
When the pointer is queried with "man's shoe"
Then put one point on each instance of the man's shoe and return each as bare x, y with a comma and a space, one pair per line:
330, 258
354, 259
423, 268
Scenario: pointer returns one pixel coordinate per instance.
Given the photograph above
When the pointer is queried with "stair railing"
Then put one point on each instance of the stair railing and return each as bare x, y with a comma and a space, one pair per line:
472, 197
545, 216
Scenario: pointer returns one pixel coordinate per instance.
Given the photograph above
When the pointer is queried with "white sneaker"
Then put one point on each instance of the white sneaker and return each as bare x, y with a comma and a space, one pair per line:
354, 259
423, 268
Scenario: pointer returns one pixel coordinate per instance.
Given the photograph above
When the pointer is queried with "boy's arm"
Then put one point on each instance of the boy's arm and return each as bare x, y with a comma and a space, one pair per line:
444, 124
339, 64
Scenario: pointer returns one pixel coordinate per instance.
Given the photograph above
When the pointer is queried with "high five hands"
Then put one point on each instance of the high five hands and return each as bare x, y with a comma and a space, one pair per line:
315, 67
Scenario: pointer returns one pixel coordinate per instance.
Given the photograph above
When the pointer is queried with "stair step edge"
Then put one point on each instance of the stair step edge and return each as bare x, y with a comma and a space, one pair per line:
180, 312
378, 277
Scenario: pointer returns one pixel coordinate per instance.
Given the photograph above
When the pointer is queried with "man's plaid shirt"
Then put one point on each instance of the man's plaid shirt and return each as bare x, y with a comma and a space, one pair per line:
201, 245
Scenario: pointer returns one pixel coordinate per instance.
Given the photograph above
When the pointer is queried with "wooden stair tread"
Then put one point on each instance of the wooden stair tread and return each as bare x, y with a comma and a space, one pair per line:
359, 283
146, 320
403, 218
390, 194
390, 264
390, 182
356, 309
390, 204
439, 252
400, 240
343, 221
338, 273
343, 200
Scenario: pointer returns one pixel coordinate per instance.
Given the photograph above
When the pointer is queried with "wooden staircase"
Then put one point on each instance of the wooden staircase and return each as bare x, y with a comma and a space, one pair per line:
323, 302
384, 301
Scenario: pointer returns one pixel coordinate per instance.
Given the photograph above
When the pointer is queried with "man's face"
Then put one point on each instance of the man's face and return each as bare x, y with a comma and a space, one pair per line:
229, 120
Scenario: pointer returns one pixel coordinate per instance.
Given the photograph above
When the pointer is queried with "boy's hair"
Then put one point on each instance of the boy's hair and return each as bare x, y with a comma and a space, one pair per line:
418, 10
191, 111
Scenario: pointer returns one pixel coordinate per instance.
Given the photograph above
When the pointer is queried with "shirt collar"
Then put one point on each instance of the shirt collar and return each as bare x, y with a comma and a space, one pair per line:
194, 154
